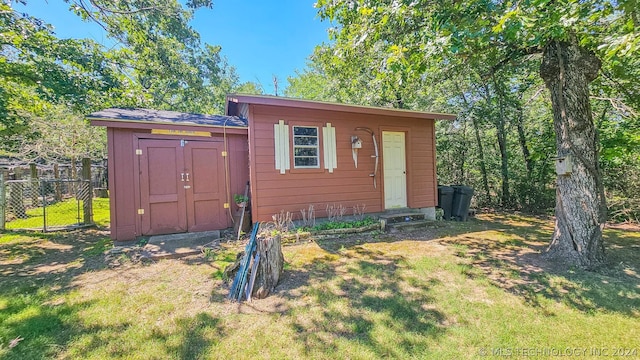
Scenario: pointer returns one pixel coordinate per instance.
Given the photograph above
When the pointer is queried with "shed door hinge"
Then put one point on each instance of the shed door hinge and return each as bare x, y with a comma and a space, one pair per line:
138, 151
224, 153
140, 211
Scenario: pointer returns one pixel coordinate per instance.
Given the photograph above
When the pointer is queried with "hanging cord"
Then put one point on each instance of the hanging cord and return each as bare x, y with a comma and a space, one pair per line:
227, 180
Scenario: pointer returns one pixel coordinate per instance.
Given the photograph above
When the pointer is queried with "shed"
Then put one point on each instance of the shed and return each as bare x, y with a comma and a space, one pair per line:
171, 172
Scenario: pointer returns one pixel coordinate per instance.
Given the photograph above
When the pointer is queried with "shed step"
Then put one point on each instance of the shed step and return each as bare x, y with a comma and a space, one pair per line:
409, 225
402, 217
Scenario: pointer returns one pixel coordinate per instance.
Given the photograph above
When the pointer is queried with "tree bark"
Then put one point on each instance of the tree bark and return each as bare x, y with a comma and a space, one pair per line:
567, 70
522, 139
483, 165
501, 136
270, 266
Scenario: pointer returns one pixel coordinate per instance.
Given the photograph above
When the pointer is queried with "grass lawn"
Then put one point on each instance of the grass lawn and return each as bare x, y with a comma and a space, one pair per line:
63, 213
458, 290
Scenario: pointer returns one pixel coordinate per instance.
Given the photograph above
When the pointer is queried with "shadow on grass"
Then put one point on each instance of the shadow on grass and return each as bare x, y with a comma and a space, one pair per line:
36, 270
363, 303
508, 253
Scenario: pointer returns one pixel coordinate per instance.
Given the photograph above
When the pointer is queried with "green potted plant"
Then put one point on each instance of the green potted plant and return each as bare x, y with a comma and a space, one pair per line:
240, 200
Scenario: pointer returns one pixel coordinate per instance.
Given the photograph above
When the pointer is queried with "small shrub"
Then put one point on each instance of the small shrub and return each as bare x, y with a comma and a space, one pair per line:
283, 221
358, 211
344, 224
308, 217
335, 213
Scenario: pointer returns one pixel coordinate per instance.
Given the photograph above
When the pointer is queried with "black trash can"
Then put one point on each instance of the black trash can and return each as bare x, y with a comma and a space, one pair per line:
461, 202
445, 200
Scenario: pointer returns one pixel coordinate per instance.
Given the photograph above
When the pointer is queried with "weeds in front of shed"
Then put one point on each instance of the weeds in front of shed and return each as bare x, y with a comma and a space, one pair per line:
308, 217
335, 213
358, 211
283, 221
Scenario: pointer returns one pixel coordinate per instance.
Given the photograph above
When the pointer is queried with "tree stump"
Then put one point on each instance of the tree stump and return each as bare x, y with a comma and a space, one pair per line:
270, 266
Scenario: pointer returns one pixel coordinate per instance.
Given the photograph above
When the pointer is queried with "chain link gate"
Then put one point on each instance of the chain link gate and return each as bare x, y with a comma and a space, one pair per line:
45, 204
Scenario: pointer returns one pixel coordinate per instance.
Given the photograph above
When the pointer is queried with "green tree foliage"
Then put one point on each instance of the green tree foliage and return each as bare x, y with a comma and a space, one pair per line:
48, 84
162, 56
36, 68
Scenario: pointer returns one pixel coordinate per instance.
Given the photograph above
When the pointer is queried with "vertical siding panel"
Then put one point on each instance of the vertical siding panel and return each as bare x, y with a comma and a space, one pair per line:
238, 168
113, 204
253, 178
124, 156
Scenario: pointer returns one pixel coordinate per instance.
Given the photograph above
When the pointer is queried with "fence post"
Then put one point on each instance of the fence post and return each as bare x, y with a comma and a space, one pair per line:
87, 201
15, 196
35, 189
44, 207
2, 201
57, 187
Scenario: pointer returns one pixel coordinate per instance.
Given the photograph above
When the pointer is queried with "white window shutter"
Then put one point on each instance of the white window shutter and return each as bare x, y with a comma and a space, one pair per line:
281, 140
329, 147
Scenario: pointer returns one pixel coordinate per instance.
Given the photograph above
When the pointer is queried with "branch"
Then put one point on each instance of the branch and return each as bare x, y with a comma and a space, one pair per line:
513, 55
534, 96
618, 105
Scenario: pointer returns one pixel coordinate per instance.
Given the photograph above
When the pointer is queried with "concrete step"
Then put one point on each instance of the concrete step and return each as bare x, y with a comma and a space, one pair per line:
408, 225
402, 217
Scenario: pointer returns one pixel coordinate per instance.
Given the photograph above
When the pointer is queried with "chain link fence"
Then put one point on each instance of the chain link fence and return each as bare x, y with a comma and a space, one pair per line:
45, 204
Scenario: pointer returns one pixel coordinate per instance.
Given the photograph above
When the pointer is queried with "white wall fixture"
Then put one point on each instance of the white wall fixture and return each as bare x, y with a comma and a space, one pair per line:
356, 144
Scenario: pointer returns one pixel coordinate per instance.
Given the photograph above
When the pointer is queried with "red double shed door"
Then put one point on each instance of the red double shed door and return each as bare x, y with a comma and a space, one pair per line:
181, 186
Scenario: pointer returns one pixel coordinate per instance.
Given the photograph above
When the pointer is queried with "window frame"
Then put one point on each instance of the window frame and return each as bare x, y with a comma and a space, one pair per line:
317, 147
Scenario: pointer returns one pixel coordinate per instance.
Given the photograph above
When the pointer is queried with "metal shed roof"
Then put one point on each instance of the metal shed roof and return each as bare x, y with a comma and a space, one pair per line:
166, 117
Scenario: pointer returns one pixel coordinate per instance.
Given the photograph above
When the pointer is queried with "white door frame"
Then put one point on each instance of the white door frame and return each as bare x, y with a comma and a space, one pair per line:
394, 168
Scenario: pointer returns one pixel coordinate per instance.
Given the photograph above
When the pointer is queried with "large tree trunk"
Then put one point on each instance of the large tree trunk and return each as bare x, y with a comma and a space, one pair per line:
567, 70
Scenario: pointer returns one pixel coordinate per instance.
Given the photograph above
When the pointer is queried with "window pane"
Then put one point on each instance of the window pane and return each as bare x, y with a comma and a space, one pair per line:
305, 140
305, 147
306, 152
308, 131
306, 161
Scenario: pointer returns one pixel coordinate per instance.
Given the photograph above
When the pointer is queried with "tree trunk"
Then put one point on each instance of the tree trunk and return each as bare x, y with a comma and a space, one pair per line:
270, 266
567, 70
483, 165
501, 135
522, 139
504, 162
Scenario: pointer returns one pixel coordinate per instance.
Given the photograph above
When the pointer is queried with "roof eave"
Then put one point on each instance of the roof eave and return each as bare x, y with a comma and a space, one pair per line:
322, 105
121, 123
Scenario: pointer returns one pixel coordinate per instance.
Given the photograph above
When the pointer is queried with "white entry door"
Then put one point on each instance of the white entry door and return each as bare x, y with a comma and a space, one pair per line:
395, 169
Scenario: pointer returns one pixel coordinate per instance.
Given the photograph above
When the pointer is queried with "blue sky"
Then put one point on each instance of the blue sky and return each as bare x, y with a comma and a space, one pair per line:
259, 38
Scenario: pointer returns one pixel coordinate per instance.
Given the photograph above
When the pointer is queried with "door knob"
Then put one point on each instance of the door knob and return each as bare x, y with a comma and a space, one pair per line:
187, 176
181, 176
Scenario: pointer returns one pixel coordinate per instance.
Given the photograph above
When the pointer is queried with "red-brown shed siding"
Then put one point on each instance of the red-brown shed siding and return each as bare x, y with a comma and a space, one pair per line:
124, 184
348, 186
